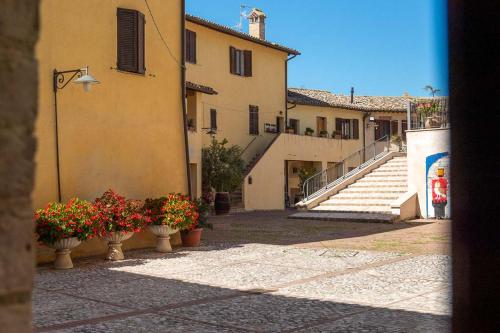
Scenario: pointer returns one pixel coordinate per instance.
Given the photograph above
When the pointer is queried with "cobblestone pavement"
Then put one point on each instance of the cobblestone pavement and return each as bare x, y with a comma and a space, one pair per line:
248, 287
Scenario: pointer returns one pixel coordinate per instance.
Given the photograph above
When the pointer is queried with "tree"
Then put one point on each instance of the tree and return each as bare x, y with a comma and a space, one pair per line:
222, 168
433, 91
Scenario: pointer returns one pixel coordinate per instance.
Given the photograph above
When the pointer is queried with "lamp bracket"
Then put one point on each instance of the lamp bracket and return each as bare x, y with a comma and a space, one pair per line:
60, 81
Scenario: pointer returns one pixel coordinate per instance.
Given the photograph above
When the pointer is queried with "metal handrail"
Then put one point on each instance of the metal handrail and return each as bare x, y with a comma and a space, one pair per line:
320, 182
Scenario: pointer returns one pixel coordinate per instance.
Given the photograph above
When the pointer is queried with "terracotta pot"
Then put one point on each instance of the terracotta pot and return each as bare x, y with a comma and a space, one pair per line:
115, 240
163, 233
222, 203
63, 250
191, 238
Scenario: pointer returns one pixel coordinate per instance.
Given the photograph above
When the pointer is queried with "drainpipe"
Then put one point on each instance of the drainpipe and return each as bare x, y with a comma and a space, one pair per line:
286, 123
365, 115
183, 89
286, 90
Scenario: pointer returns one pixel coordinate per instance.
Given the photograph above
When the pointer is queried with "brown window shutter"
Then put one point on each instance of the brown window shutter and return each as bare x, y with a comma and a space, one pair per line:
232, 60
191, 46
254, 119
141, 22
127, 47
213, 119
247, 62
355, 129
338, 125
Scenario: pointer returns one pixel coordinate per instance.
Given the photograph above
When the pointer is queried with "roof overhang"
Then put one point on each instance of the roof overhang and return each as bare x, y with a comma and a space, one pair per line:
200, 88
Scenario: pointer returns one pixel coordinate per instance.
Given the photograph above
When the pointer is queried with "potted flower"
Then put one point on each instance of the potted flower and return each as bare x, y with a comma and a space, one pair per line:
427, 112
290, 130
158, 224
309, 131
119, 219
222, 170
337, 135
180, 213
64, 226
323, 134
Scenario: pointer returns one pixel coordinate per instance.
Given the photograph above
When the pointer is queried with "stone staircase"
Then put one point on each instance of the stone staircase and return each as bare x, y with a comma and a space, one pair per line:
368, 199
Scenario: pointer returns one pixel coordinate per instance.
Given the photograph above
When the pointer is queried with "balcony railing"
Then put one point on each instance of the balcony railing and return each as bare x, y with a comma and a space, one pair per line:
428, 113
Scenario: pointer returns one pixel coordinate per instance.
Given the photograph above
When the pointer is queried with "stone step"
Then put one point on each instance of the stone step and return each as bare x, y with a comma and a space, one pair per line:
388, 176
368, 190
357, 202
344, 216
390, 170
375, 182
376, 185
366, 195
357, 209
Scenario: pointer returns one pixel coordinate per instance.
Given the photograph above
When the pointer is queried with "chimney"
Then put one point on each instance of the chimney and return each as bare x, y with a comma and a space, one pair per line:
256, 24
352, 95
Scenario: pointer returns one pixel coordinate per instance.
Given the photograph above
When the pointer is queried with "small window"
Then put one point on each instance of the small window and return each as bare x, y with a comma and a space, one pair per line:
240, 62
191, 46
213, 119
254, 120
347, 128
130, 41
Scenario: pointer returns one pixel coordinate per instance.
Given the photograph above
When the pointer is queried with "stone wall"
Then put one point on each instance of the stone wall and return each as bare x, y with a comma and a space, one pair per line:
18, 108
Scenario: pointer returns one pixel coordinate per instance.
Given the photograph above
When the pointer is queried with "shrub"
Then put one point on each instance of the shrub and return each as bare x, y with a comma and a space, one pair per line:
77, 218
118, 214
222, 168
180, 212
203, 208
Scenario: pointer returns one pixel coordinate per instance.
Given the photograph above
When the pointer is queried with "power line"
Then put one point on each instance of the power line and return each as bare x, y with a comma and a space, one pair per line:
161, 37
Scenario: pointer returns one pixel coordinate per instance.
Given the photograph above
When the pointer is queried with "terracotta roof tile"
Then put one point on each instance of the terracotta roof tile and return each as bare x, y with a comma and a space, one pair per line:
362, 103
236, 33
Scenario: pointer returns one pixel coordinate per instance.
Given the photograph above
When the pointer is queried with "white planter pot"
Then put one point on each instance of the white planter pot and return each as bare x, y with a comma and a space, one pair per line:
163, 233
115, 240
63, 250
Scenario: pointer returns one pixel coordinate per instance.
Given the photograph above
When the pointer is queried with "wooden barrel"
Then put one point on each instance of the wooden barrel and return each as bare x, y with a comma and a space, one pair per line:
222, 203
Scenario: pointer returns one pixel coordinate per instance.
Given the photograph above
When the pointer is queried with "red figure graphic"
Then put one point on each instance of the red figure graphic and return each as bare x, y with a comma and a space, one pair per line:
439, 193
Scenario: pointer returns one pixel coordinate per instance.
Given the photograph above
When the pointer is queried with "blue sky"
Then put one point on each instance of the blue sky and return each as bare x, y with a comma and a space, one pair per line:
381, 47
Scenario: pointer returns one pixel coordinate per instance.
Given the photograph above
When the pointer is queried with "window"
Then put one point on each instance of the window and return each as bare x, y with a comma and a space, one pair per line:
191, 46
394, 127
254, 119
213, 119
348, 128
240, 62
130, 41
294, 123
382, 128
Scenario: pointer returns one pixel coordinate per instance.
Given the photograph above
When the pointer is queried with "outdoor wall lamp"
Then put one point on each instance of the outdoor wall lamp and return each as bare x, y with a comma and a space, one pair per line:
60, 81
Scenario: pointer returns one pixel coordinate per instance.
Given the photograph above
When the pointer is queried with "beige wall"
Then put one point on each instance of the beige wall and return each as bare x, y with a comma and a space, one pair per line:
265, 89
127, 132
307, 116
268, 176
420, 144
370, 130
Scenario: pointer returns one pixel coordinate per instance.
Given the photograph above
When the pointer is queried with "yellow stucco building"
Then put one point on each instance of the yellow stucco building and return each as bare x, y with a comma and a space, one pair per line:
126, 133
236, 87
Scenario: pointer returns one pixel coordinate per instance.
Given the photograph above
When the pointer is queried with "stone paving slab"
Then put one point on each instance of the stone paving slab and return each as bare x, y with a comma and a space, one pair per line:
212, 289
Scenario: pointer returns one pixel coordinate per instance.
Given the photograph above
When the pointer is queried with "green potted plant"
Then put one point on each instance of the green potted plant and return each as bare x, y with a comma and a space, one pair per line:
64, 226
309, 131
323, 134
119, 219
180, 213
157, 224
222, 170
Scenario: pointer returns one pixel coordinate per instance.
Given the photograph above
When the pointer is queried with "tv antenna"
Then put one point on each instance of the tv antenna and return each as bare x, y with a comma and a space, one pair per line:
243, 14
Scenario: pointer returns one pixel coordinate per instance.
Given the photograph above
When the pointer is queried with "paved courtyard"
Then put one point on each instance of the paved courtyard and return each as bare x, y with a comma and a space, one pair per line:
262, 273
